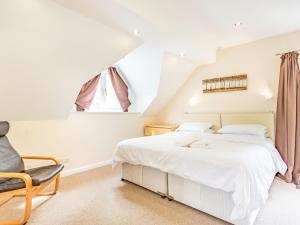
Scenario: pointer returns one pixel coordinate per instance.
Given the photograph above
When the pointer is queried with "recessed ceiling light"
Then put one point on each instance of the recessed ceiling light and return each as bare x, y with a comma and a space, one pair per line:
182, 54
238, 24
136, 32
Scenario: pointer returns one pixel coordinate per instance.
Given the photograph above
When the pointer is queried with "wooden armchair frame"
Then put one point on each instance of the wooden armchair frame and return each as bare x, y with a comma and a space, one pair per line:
29, 191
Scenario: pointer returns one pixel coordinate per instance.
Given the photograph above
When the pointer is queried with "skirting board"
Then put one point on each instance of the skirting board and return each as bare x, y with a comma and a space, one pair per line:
86, 168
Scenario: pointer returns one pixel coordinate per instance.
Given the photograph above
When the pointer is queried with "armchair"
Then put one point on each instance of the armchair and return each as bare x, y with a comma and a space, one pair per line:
16, 181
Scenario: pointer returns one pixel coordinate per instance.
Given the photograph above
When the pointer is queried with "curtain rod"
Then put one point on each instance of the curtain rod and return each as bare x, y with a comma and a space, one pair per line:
286, 52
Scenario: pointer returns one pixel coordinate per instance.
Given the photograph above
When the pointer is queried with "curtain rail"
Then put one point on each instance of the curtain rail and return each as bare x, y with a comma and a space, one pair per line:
286, 52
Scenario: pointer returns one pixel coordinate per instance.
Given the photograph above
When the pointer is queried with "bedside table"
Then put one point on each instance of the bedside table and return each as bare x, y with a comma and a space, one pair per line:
155, 129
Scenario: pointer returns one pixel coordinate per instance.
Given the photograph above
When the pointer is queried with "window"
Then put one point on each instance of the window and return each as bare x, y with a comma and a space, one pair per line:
105, 99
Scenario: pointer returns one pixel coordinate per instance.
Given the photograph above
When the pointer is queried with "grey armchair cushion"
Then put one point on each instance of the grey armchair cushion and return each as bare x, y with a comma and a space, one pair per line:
11, 184
10, 160
43, 174
38, 175
4, 127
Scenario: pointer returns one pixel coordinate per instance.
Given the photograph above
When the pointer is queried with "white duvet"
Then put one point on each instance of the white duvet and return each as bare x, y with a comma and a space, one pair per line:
242, 164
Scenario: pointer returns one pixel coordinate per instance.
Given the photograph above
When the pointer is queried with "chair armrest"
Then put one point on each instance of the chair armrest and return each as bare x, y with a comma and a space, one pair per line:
23, 176
57, 161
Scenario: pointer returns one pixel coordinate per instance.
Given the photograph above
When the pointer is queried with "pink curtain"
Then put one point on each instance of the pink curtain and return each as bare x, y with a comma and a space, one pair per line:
87, 94
120, 88
288, 116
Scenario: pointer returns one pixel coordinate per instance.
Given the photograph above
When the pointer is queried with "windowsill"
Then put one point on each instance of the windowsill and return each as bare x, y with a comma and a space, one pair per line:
85, 113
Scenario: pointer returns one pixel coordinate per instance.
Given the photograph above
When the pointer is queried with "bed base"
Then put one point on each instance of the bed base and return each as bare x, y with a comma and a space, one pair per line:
147, 177
212, 201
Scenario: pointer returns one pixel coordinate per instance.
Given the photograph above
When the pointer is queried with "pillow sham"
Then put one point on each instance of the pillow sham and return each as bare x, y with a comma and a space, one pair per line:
194, 126
252, 129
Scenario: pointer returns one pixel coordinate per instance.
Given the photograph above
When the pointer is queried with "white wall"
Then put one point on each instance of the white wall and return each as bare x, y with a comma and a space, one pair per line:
142, 69
257, 59
47, 53
174, 72
153, 76
84, 138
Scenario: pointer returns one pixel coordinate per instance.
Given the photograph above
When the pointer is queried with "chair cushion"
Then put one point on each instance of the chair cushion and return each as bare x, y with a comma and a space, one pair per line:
42, 174
10, 160
4, 128
11, 184
39, 175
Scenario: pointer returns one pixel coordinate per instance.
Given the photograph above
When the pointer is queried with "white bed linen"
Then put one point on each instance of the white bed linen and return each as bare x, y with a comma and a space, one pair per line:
242, 164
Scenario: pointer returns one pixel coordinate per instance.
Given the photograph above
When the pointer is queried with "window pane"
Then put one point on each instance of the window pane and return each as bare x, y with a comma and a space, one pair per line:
105, 98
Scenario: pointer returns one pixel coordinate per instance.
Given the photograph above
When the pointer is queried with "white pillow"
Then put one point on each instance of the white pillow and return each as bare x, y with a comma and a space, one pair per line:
194, 126
252, 129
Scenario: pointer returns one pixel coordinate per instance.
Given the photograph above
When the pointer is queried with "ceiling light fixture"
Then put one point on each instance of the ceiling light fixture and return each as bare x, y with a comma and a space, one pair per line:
136, 32
238, 24
182, 54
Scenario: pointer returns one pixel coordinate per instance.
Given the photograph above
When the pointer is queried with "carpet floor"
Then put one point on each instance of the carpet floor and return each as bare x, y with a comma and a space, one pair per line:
98, 197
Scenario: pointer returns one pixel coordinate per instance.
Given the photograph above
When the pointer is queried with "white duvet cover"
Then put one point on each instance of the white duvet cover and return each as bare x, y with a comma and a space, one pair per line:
242, 164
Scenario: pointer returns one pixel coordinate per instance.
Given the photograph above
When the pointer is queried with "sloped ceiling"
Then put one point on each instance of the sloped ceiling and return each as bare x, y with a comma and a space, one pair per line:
47, 53
142, 69
174, 72
199, 27
193, 29
49, 48
154, 76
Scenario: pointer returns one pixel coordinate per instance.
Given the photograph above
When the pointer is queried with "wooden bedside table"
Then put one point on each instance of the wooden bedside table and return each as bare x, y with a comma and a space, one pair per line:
155, 129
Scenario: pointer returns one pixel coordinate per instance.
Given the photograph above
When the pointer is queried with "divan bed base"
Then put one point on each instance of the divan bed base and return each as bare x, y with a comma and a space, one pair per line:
147, 177
212, 201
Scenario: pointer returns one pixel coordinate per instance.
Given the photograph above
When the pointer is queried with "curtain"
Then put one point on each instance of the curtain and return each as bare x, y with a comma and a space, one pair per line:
87, 94
288, 116
120, 88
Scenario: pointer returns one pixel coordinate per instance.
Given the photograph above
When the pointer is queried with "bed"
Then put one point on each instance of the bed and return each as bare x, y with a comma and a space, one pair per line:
165, 165
152, 178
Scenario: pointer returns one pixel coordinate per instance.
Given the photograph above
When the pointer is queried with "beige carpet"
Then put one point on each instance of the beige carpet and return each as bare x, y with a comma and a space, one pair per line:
99, 197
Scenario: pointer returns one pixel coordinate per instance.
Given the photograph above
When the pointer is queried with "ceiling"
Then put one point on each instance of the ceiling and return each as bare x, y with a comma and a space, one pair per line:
50, 48
47, 53
196, 28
